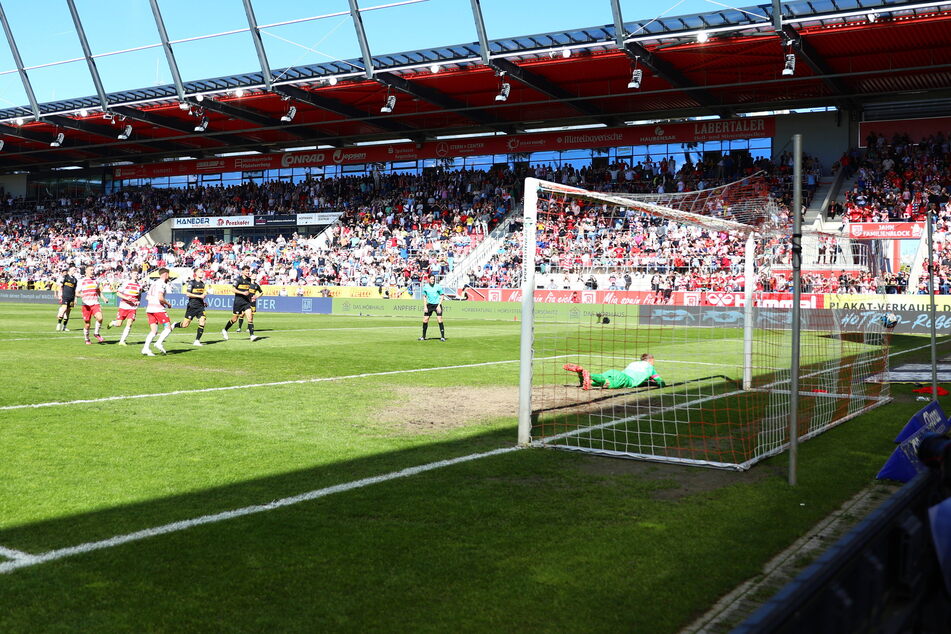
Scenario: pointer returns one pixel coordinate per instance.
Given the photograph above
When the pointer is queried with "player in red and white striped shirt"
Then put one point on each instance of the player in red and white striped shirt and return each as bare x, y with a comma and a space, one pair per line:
128, 293
91, 295
155, 311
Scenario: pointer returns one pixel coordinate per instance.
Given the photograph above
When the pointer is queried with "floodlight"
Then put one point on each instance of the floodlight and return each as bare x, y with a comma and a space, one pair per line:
790, 67
389, 104
83, 112
126, 131
636, 76
19, 121
202, 125
58, 141
1, 144
504, 91
291, 112
702, 36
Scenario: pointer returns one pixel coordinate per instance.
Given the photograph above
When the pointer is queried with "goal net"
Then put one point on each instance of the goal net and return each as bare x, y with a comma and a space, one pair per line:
693, 366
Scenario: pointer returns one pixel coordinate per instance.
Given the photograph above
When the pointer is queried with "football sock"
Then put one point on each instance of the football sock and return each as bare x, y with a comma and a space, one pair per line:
201, 331
148, 340
250, 328
442, 330
165, 333
240, 323
125, 332
229, 325
86, 333
98, 326
59, 320
65, 321
425, 326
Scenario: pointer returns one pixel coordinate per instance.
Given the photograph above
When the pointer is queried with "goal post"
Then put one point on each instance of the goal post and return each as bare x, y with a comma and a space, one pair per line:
724, 396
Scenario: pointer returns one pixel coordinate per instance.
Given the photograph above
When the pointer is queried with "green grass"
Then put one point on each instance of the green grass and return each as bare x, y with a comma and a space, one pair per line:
533, 540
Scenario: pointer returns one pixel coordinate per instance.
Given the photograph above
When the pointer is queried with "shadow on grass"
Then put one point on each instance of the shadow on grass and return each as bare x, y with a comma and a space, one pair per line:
102, 524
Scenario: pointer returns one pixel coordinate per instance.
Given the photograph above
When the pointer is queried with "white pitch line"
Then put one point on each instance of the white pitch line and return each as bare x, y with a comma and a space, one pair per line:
174, 527
16, 555
225, 388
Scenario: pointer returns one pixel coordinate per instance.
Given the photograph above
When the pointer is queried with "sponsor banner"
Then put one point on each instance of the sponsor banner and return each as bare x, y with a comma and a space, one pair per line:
917, 129
289, 220
885, 230
30, 297
688, 132
290, 290
307, 305
212, 222
763, 300
888, 303
910, 322
506, 311
318, 218
632, 298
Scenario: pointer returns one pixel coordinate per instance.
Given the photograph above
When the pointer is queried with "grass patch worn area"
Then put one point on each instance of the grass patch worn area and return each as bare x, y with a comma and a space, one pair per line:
536, 540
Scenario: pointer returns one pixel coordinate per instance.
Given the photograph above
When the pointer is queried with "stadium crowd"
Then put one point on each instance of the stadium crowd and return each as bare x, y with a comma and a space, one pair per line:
900, 181
393, 227
396, 228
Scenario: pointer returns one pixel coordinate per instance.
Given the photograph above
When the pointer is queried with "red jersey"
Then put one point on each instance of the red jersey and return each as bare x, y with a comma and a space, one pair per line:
128, 293
89, 291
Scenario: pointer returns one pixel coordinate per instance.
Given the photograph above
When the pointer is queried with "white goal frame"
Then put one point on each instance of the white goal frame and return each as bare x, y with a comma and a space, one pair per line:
527, 344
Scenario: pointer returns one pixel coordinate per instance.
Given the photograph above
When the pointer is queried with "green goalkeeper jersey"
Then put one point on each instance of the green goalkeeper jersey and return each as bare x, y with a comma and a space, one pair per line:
640, 371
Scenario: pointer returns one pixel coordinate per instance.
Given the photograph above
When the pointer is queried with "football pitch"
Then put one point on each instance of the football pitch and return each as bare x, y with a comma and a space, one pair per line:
338, 474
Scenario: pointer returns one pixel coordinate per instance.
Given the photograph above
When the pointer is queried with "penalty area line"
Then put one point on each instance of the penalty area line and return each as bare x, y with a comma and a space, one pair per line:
25, 560
225, 388
15, 555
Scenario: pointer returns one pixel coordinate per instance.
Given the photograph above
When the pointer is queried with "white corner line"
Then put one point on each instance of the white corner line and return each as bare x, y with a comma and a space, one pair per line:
16, 555
24, 560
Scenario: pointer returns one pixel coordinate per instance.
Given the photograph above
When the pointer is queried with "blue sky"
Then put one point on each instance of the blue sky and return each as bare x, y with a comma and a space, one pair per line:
44, 33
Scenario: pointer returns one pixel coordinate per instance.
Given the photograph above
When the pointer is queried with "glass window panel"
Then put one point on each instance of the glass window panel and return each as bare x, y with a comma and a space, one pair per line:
417, 25
504, 18
116, 76
217, 57
269, 12
100, 20
187, 18
48, 84
633, 10
43, 31
316, 42
11, 91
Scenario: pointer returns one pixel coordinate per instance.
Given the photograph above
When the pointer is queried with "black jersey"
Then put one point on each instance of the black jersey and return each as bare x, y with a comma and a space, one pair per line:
196, 287
69, 287
242, 284
257, 291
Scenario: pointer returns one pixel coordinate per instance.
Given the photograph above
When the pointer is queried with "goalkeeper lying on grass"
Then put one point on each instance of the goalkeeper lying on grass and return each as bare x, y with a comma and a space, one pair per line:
636, 374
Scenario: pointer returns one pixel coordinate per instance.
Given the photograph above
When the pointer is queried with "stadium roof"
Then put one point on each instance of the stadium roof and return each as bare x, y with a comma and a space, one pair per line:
851, 54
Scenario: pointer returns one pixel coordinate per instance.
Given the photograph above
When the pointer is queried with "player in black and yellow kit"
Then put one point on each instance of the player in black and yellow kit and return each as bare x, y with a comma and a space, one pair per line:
258, 291
243, 294
195, 291
67, 298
